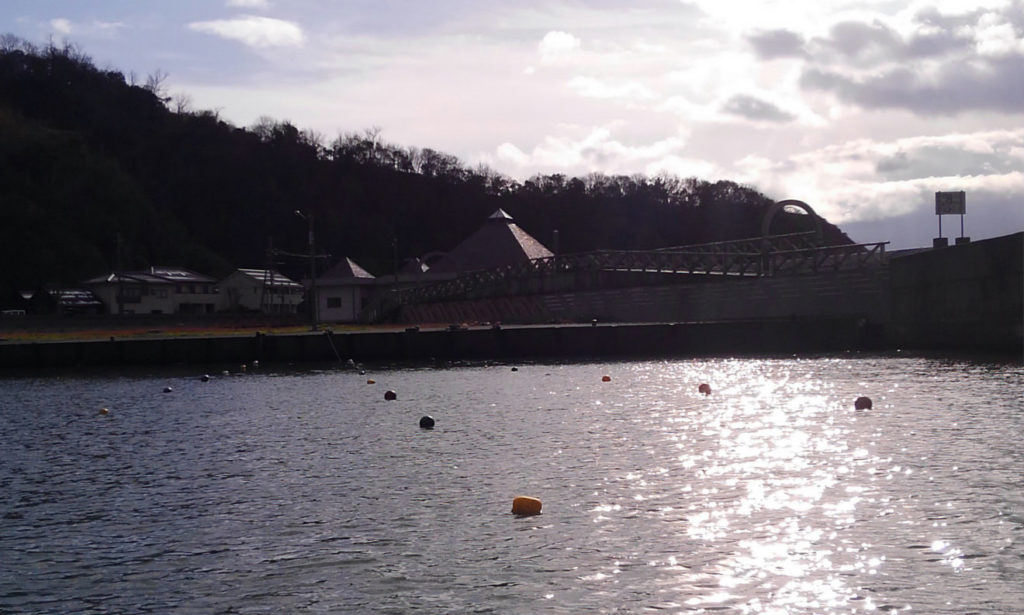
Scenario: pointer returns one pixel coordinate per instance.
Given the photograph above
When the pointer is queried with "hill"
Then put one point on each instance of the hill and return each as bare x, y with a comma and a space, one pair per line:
98, 172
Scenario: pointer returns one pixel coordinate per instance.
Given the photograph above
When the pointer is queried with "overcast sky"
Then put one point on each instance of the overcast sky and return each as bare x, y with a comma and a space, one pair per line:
861, 108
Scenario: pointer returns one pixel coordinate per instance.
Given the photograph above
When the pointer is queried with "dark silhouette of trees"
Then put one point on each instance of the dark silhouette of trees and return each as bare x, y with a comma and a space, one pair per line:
88, 156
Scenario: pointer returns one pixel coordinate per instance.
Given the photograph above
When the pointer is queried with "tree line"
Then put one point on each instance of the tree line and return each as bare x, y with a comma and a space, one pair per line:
101, 171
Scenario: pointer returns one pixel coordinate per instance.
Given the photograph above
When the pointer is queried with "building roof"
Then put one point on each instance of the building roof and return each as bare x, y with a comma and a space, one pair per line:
497, 243
269, 277
346, 269
75, 298
154, 275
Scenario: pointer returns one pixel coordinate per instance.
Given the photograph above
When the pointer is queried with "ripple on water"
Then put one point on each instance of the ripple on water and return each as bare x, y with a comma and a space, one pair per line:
291, 491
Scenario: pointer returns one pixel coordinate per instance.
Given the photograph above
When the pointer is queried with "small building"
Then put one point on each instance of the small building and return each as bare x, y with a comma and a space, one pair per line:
159, 290
259, 290
343, 291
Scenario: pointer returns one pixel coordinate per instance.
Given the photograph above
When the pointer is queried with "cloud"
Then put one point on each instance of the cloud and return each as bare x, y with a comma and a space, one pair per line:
594, 88
556, 46
941, 64
249, 4
62, 25
102, 29
754, 108
598, 150
254, 31
772, 44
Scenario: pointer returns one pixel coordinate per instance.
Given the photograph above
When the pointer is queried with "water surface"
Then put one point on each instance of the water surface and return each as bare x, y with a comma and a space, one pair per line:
284, 491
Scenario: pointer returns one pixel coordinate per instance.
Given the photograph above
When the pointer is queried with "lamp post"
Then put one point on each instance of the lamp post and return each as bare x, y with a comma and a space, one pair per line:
313, 307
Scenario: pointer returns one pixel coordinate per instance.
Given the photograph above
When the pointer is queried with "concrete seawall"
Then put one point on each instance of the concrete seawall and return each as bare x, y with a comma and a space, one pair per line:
509, 343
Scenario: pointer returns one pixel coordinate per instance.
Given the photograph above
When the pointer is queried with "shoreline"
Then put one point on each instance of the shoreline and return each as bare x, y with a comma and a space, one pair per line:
514, 342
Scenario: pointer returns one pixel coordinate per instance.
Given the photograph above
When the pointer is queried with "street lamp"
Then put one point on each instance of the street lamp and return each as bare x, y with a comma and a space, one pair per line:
314, 308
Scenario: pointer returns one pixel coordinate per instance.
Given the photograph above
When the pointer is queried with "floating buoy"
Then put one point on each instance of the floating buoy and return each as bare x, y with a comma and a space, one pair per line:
704, 388
390, 395
205, 378
515, 369
168, 389
371, 381
225, 373
862, 403
525, 505
426, 422
104, 411
256, 363
606, 379
243, 367
362, 372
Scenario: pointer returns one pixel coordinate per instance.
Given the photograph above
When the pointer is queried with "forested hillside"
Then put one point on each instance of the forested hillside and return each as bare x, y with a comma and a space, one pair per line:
97, 171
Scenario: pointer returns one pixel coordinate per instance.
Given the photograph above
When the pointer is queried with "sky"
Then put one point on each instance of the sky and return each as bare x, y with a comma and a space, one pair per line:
863, 109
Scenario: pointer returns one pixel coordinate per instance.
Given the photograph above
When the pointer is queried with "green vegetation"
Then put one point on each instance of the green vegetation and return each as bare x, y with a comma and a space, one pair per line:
97, 172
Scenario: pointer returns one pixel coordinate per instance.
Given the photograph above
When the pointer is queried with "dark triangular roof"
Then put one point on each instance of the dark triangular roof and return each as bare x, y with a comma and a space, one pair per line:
346, 269
497, 243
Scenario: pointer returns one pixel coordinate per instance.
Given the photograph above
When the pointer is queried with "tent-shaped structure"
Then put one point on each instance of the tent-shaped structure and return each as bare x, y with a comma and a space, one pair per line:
498, 242
343, 291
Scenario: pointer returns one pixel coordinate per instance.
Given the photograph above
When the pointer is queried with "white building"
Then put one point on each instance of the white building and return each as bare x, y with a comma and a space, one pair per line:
160, 290
343, 292
259, 290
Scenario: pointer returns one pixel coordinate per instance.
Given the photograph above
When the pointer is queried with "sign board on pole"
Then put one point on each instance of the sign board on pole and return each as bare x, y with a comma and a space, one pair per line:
950, 203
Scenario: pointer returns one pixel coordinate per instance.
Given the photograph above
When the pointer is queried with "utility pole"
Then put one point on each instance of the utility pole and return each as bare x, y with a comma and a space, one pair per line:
313, 307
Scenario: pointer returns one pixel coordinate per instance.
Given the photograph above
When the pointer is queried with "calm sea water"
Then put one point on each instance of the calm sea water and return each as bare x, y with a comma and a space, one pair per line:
283, 491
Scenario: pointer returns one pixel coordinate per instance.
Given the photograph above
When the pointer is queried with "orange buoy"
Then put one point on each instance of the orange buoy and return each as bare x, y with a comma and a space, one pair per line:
606, 379
704, 388
525, 505
862, 403
104, 411
371, 381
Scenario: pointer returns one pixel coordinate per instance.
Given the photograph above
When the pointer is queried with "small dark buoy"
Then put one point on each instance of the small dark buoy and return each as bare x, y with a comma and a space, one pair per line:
205, 378
862, 403
104, 411
427, 422
515, 369
704, 388
362, 372
168, 389
390, 395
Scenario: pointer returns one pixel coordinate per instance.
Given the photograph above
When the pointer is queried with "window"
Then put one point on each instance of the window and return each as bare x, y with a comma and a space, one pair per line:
334, 302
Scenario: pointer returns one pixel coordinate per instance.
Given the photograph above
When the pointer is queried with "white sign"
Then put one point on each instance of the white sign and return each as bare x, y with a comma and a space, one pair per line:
950, 203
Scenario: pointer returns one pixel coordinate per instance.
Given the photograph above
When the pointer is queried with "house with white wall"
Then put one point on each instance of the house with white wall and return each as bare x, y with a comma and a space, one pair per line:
158, 290
343, 291
259, 290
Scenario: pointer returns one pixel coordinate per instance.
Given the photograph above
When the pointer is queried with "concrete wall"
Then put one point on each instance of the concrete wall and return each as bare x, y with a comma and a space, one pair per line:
842, 294
962, 296
537, 342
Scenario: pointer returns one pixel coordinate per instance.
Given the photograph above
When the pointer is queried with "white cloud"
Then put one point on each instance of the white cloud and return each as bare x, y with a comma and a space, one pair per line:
596, 88
995, 37
249, 4
62, 25
254, 31
556, 46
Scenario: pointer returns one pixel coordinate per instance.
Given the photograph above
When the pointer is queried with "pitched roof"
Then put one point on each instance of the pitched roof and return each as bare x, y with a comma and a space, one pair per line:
270, 277
498, 242
345, 269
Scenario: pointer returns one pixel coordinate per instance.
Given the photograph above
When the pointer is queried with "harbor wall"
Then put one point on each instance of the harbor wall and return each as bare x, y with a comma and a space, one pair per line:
556, 342
963, 296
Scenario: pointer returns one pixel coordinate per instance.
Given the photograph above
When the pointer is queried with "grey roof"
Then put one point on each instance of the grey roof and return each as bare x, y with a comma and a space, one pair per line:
154, 275
346, 269
497, 243
270, 277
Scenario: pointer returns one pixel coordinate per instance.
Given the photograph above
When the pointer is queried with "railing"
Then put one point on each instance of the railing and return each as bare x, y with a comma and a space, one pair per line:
771, 256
